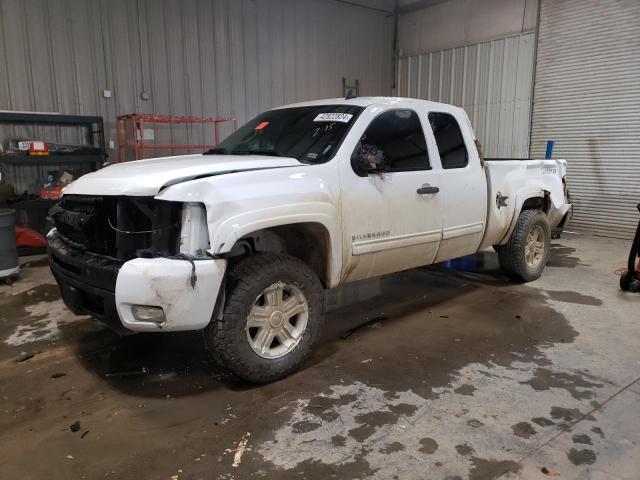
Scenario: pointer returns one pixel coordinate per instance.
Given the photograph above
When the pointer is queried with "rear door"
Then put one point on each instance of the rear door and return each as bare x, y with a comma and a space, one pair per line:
391, 220
463, 186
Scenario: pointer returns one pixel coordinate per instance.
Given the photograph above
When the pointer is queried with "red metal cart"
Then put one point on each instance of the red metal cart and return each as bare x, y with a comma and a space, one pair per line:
131, 132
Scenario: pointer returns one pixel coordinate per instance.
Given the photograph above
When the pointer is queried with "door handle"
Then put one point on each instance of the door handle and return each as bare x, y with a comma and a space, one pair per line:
427, 189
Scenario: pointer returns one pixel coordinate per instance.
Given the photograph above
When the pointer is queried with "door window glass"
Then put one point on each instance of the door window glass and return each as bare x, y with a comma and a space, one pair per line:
453, 152
399, 135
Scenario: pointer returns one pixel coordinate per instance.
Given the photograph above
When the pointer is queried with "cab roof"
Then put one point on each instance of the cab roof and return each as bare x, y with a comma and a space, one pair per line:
381, 101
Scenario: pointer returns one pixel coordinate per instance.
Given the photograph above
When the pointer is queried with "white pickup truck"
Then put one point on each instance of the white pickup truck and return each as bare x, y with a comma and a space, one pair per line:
242, 240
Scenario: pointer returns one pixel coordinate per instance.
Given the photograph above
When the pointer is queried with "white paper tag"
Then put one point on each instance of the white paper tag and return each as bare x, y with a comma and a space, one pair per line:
333, 117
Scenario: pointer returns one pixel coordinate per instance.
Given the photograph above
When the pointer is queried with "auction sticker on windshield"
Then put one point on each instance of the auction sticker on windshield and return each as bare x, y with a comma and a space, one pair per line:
333, 117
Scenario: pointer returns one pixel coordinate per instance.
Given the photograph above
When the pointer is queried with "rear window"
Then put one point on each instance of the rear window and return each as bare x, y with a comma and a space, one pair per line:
451, 146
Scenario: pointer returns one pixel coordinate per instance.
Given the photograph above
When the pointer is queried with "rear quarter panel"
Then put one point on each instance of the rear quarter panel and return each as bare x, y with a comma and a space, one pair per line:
520, 180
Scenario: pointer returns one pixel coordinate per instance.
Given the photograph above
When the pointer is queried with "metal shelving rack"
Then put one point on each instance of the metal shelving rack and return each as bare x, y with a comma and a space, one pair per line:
32, 212
94, 137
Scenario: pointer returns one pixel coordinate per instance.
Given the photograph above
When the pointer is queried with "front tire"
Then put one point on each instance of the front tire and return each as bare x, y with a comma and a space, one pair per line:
526, 253
272, 317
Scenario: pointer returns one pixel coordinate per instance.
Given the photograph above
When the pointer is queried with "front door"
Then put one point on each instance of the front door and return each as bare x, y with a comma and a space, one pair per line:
391, 218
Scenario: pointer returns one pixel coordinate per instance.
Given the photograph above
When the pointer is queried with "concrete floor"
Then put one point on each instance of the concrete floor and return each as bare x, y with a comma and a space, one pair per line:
460, 375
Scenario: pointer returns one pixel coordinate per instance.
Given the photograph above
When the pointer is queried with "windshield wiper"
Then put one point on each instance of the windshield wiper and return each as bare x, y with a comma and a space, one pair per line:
216, 151
271, 153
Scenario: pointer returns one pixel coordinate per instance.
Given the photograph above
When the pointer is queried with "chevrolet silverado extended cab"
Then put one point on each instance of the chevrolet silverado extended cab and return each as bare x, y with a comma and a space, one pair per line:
241, 241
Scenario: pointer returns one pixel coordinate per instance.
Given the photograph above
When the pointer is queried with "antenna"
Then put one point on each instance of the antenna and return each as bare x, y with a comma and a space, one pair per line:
350, 91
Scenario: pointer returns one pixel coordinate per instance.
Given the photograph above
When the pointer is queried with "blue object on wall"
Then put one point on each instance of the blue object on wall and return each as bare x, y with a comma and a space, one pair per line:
549, 153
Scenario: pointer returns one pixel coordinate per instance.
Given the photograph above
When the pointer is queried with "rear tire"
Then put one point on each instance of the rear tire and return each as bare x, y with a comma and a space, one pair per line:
272, 317
526, 253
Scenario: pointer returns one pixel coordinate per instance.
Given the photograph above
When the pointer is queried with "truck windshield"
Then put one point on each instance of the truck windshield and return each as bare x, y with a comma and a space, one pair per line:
308, 134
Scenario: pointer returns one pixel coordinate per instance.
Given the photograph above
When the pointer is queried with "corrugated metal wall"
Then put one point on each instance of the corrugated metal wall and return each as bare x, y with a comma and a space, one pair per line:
491, 80
432, 25
587, 99
193, 57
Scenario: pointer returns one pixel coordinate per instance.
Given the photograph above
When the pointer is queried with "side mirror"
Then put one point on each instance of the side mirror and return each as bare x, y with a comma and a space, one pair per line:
368, 159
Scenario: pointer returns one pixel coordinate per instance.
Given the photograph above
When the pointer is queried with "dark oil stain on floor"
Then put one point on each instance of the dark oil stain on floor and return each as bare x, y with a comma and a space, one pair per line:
361, 433
545, 379
435, 347
12, 305
304, 427
14, 310
466, 389
568, 414
358, 468
464, 449
523, 429
582, 457
560, 256
484, 469
428, 445
377, 419
393, 447
582, 438
568, 296
403, 409
542, 421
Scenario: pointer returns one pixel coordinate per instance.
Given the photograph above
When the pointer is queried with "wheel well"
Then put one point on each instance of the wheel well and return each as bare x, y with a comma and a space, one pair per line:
538, 203
310, 242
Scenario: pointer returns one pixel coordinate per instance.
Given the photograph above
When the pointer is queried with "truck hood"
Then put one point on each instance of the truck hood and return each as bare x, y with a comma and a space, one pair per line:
148, 177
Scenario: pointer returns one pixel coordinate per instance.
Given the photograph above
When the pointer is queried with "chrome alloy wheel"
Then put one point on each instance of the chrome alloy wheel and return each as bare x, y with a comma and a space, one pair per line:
277, 320
534, 248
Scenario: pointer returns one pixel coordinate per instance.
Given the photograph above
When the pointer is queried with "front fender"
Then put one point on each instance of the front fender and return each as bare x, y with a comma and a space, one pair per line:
240, 203
233, 228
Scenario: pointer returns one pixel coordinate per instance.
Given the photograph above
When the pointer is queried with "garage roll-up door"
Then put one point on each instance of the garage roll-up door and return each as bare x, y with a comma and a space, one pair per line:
587, 99
491, 80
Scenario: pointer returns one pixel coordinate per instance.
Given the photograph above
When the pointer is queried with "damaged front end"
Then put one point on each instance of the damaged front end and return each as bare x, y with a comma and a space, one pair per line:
134, 262
118, 227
